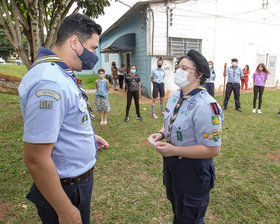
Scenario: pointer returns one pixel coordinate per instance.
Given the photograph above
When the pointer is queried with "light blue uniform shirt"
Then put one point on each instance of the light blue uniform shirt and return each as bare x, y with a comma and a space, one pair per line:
158, 74
234, 74
54, 111
212, 77
102, 88
195, 123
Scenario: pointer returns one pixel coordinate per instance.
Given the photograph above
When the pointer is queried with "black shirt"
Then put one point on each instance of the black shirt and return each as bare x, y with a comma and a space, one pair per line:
132, 82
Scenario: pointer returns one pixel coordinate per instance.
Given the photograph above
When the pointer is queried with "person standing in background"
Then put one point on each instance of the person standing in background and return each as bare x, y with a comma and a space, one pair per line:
259, 79
246, 72
234, 74
121, 75
209, 83
132, 81
114, 74
157, 77
101, 103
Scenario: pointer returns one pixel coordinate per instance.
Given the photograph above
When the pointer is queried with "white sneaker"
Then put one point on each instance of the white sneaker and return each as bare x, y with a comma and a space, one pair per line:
254, 111
259, 111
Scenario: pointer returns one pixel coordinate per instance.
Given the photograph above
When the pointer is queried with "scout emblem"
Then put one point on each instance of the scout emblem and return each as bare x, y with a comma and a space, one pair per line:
179, 136
84, 120
215, 120
191, 105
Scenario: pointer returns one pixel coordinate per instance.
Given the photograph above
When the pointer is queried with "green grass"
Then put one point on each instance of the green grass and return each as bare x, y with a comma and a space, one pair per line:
13, 70
128, 176
21, 70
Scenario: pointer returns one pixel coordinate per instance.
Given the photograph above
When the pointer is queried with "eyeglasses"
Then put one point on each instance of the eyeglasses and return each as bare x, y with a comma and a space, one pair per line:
185, 68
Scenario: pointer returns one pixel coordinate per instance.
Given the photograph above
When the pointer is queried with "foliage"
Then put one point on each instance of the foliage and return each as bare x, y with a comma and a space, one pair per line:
20, 18
6, 49
128, 176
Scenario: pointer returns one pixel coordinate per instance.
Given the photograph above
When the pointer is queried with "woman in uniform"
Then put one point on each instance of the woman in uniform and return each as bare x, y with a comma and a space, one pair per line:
192, 128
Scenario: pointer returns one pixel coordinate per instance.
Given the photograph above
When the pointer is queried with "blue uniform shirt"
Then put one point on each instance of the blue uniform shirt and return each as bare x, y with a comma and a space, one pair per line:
234, 74
196, 123
54, 111
212, 77
102, 88
158, 74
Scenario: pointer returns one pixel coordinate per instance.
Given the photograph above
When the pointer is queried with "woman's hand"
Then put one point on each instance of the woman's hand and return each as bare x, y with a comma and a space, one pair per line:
156, 137
166, 149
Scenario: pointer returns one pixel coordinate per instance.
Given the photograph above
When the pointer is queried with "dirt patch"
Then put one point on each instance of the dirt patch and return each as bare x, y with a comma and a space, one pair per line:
271, 156
4, 209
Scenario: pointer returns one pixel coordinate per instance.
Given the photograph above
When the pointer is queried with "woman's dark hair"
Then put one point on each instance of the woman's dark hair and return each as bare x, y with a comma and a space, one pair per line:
247, 69
212, 64
113, 64
264, 68
160, 59
77, 24
101, 70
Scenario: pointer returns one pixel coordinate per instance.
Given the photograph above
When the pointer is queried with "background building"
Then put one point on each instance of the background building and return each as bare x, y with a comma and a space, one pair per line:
220, 29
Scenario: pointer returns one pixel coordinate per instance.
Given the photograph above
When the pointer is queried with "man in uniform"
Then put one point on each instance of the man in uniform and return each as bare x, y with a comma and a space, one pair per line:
59, 141
157, 79
234, 74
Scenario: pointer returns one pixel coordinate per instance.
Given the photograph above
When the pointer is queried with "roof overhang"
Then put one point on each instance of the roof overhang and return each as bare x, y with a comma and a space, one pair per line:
125, 42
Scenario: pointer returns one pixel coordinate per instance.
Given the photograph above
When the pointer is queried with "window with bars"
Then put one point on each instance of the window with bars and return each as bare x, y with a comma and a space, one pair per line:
180, 46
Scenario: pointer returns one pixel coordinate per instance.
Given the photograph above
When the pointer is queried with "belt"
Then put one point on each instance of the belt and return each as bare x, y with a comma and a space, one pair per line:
233, 83
76, 180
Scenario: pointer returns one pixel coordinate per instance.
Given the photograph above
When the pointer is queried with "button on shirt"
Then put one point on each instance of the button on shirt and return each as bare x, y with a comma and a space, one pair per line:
234, 74
54, 111
195, 123
158, 74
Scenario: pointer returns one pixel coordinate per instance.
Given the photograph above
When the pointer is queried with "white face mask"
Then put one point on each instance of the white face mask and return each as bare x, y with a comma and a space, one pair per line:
180, 78
101, 76
234, 64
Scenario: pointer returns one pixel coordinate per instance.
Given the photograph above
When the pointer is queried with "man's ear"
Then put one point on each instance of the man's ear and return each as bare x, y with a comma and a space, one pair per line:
74, 42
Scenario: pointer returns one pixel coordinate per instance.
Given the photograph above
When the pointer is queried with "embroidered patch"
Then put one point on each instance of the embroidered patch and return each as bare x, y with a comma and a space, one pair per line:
191, 105
84, 120
167, 110
213, 135
215, 120
179, 136
174, 100
44, 104
48, 92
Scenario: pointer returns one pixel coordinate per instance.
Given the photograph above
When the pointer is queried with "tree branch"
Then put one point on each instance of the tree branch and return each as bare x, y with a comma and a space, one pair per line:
9, 20
22, 19
41, 22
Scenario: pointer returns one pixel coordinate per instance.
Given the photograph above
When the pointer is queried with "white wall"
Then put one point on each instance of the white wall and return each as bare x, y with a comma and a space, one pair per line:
228, 29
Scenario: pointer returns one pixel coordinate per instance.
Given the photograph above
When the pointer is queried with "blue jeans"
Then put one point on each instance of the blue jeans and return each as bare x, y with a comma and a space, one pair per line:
79, 195
210, 88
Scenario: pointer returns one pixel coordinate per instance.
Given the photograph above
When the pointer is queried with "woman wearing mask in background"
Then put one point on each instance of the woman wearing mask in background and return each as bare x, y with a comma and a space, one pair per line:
114, 75
132, 82
192, 128
157, 77
246, 72
209, 83
259, 79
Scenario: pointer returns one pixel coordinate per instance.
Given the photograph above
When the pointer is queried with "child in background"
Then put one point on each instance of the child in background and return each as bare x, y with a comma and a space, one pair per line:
132, 82
101, 103
246, 72
259, 79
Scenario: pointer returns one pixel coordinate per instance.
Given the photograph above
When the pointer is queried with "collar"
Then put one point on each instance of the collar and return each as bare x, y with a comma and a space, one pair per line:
191, 93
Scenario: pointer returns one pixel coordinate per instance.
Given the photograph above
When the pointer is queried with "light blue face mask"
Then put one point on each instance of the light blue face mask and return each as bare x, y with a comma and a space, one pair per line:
133, 71
89, 59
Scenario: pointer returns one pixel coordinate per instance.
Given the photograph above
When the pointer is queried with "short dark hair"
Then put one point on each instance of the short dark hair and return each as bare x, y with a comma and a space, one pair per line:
77, 24
101, 70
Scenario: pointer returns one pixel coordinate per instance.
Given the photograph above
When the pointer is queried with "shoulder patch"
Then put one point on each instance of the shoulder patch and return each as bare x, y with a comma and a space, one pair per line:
206, 97
48, 92
214, 108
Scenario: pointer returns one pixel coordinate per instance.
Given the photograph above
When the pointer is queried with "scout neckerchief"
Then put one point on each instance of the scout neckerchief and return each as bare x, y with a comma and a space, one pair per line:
177, 107
46, 55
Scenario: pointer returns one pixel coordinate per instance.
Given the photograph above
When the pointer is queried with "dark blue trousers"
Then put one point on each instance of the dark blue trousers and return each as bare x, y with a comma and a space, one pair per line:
79, 195
188, 183
235, 87
210, 88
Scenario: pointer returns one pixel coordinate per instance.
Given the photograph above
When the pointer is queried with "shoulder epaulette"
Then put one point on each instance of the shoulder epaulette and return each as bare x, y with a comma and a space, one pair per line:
215, 108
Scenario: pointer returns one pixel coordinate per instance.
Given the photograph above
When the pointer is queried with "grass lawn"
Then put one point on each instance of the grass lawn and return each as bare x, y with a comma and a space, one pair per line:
13, 70
128, 176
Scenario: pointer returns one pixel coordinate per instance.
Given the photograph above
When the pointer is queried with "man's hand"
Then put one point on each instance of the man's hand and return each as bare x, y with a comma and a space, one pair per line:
72, 216
101, 143
156, 137
165, 149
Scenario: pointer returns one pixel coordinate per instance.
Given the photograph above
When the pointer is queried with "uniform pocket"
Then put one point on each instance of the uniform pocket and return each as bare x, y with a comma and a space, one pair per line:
194, 208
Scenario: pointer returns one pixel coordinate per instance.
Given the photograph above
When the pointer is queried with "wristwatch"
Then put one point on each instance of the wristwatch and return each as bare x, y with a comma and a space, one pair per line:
162, 137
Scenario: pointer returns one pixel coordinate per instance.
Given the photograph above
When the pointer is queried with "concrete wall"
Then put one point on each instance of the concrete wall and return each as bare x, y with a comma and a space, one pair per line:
242, 29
